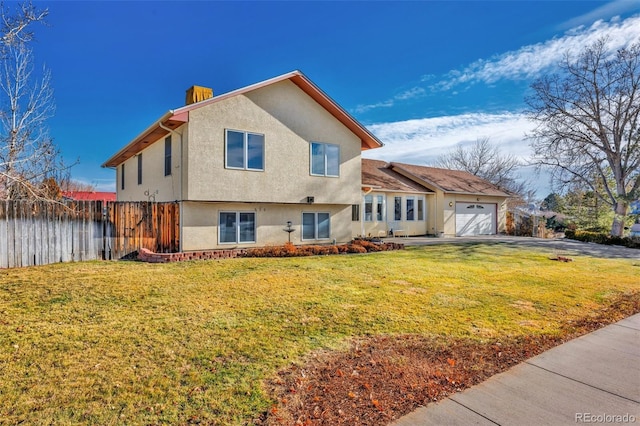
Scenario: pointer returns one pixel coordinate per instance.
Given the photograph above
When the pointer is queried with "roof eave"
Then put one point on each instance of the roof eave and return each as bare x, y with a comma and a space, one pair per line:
170, 119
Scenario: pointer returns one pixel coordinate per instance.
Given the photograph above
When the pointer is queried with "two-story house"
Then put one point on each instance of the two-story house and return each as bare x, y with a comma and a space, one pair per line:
246, 163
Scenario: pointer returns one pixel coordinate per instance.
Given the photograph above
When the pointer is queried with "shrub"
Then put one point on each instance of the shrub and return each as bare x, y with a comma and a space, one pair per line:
290, 250
602, 238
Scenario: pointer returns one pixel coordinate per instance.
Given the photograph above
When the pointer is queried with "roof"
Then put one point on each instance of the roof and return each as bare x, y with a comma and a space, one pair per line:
175, 118
377, 174
449, 181
89, 195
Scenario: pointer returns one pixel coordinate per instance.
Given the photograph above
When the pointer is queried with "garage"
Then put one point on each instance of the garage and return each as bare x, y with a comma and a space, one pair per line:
475, 219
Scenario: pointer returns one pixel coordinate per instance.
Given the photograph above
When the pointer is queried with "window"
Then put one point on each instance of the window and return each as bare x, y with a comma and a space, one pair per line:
244, 150
122, 176
368, 208
420, 208
315, 226
167, 156
325, 159
380, 208
397, 208
355, 212
237, 227
139, 169
410, 206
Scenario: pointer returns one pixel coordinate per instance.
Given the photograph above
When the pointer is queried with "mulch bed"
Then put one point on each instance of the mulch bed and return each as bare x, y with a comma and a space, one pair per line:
381, 378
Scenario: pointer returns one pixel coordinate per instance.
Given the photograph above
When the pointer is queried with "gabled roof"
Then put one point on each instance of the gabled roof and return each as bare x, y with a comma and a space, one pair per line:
175, 118
449, 181
376, 174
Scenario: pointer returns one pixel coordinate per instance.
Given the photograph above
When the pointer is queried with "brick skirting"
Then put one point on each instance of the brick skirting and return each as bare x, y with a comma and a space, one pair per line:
151, 257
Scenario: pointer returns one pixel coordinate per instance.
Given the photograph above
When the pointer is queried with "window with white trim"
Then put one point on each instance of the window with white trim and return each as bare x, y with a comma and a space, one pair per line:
355, 212
316, 226
244, 150
420, 208
325, 159
237, 227
380, 208
397, 208
368, 208
410, 212
167, 155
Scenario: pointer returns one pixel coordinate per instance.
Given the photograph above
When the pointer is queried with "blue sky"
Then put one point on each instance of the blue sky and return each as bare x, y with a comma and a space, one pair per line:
423, 76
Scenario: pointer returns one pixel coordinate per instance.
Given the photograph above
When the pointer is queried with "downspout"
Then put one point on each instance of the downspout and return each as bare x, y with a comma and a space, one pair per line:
173, 132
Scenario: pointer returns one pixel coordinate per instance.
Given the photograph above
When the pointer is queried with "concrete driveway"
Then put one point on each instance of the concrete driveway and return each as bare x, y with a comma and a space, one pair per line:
563, 247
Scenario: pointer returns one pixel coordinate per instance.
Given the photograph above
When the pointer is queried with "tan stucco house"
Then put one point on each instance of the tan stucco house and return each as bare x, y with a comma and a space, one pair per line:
244, 163
405, 199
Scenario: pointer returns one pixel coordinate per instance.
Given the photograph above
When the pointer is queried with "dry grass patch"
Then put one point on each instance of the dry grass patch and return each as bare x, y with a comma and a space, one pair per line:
135, 343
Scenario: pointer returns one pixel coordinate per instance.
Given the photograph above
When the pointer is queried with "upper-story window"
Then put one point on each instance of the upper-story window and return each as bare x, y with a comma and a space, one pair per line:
122, 176
140, 169
167, 155
325, 159
244, 150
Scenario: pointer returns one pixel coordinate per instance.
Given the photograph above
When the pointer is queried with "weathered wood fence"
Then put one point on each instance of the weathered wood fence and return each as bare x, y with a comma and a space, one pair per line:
37, 233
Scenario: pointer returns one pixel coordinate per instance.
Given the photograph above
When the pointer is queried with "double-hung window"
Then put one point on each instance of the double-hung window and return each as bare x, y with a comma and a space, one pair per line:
380, 208
315, 226
411, 215
397, 208
355, 212
237, 227
325, 159
368, 208
244, 150
167, 155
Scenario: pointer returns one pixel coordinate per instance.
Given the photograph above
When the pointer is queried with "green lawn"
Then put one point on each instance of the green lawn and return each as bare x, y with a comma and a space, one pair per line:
134, 343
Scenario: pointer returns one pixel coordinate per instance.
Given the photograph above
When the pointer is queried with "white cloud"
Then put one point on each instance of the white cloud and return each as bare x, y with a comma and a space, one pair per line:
530, 61
422, 141
605, 11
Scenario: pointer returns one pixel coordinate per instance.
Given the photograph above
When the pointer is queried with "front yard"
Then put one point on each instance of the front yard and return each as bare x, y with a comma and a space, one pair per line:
210, 342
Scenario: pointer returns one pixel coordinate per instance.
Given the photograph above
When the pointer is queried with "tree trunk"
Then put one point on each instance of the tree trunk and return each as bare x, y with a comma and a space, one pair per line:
620, 212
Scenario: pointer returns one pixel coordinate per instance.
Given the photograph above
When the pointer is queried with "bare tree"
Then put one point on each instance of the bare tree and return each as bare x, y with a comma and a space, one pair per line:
28, 155
486, 161
587, 124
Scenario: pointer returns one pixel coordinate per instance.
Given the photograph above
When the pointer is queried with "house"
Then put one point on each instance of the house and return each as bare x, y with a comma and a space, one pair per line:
245, 163
409, 199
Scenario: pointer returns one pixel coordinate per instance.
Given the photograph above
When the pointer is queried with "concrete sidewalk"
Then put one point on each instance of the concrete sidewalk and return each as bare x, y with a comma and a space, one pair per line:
593, 379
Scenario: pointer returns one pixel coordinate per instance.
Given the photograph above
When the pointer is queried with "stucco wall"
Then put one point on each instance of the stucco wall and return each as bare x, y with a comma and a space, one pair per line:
200, 223
289, 121
376, 228
155, 185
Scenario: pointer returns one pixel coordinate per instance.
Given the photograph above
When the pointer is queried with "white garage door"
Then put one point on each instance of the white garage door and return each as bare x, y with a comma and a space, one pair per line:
475, 219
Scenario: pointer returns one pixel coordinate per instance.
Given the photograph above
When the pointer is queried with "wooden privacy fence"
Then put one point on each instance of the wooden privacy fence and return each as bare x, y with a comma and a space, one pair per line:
38, 233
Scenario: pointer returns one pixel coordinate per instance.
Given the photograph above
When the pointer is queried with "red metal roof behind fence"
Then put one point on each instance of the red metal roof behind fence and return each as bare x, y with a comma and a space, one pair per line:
89, 195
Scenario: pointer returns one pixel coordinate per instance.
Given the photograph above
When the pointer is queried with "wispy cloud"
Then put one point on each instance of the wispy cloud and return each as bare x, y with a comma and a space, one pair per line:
606, 11
530, 61
407, 94
422, 141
